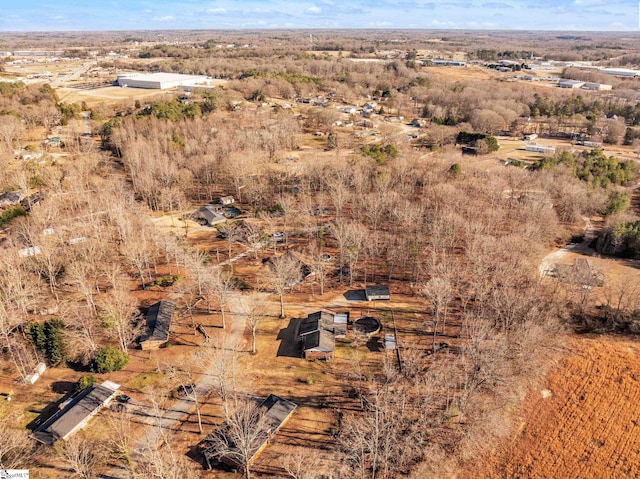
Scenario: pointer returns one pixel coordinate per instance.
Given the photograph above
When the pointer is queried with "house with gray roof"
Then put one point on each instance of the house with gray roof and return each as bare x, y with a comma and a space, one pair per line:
76, 413
210, 215
317, 334
274, 410
158, 320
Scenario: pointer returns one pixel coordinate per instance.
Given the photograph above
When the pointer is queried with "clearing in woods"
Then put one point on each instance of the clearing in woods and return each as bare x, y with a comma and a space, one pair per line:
584, 421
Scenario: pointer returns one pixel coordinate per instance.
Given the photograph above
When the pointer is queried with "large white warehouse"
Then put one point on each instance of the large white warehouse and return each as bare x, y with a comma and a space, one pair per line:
621, 72
160, 81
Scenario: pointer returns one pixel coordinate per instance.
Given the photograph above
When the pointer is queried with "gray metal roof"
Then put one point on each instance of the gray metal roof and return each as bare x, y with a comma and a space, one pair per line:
321, 340
159, 321
79, 409
377, 291
211, 214
276, 411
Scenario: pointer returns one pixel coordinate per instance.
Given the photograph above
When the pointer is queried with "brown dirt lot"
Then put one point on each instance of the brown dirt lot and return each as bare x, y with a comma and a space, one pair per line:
587, 427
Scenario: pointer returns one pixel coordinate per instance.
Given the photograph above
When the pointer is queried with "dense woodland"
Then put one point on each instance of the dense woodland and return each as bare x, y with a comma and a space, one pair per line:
466, 241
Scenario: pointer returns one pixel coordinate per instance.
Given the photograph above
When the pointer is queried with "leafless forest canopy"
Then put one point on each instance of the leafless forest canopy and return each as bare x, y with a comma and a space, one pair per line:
460, 241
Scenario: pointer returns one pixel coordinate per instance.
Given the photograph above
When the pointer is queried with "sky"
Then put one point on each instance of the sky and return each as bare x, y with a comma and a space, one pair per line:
82, 15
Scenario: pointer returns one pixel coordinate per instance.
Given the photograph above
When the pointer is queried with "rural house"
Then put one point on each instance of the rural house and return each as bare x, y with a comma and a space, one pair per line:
209, 215
275, 412
76, 413
158, 321
317, 334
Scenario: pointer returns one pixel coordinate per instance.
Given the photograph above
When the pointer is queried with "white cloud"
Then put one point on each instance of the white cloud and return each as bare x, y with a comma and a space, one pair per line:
216, 10
315, 10
166, 18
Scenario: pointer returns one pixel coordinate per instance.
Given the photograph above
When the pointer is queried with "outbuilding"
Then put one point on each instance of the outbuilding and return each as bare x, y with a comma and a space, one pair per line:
377, 292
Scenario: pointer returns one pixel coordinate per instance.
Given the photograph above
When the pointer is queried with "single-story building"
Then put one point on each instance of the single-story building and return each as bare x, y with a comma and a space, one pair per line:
564, 83
160, 80
226, 200
210, 215
158, 320
76, 413
540, 148
275, 412
377, 292
28, 252
596, 86
317, 334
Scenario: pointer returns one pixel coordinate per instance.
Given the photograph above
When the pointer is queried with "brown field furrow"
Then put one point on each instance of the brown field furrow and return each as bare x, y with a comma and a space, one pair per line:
589, 428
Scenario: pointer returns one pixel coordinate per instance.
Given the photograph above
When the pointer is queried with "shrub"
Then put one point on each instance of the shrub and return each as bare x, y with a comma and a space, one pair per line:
85, 381
10, 213
109, 359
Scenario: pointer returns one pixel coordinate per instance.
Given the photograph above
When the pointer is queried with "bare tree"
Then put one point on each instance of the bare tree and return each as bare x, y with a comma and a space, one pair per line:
219, 283
320, 264
159, 460
10, 130
225, 370
439, 291
119, 437
119, 314
184, 375
82, 455
252, 307
302, 464
240, 436
283, 272
16, 448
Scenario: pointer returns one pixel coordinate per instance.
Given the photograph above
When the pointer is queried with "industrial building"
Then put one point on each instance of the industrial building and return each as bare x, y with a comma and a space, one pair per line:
160, 81
621, 72
596, 86
564, 83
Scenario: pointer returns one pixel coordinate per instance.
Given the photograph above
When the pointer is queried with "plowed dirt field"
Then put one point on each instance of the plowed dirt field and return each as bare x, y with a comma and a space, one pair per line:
583, 423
